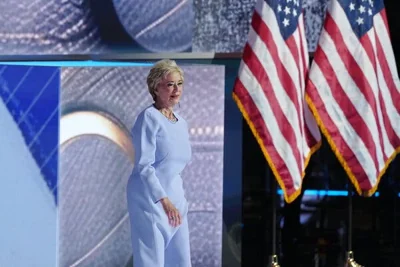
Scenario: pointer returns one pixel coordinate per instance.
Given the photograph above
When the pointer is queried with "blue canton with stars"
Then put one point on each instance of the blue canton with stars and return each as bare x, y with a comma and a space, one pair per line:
287, 13
360, 13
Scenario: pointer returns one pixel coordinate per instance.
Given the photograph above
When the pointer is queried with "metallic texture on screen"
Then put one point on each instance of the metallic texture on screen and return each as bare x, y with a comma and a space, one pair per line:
98, 26
94, 170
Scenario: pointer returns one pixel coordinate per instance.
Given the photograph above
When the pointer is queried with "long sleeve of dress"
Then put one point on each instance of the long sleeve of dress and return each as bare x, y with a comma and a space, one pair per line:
145, 151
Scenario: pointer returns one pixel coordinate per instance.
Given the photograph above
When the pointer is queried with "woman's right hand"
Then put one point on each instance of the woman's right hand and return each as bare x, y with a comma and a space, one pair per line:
173, 215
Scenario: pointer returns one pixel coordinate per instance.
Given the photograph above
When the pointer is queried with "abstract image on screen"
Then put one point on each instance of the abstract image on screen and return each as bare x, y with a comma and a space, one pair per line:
99, 108
100, 26
223, 26
95, 26
29, 98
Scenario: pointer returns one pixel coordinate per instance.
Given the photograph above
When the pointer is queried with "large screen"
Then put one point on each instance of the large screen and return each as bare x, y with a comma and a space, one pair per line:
102, 26
99, 106
66, 189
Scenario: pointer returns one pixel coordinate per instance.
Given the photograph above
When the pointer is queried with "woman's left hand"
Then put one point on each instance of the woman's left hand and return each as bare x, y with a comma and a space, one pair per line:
173, 214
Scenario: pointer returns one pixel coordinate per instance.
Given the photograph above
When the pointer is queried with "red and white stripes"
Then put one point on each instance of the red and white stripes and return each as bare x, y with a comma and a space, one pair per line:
270, 93
353, 90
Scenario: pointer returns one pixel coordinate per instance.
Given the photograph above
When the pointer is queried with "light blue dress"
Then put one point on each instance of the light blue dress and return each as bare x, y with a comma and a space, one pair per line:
162, 150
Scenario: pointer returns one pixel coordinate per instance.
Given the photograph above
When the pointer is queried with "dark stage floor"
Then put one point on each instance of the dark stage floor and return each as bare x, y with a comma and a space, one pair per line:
321, 240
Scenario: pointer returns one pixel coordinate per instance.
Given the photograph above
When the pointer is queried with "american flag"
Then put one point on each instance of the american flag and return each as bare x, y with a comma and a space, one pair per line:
353, 90
270, 87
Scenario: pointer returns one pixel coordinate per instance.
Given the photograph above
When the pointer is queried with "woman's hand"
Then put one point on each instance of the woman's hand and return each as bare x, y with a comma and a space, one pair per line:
174, 217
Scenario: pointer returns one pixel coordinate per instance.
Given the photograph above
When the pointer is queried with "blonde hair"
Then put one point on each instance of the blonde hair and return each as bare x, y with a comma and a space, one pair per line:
159, 71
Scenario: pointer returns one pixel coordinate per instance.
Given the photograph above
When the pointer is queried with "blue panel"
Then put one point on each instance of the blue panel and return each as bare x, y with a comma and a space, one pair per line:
31, 94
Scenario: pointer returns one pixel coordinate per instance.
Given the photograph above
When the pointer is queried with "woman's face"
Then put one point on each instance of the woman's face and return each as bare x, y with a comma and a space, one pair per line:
169, 90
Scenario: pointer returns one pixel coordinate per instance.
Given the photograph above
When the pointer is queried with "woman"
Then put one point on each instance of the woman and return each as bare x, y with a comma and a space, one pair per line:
156, 199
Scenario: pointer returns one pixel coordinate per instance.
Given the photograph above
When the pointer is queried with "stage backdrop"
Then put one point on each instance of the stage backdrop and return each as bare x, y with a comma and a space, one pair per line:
97, 26
99, 107
29, 98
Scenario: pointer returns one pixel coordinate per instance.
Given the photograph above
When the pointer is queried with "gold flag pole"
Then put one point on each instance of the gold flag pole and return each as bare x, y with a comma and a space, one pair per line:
350, 262
273, 260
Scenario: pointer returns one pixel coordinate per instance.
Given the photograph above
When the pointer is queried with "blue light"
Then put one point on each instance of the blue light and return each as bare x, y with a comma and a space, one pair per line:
331, 193
87, 63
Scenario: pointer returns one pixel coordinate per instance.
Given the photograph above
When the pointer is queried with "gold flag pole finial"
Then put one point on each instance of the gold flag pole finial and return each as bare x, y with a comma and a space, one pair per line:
350, 262
274, 261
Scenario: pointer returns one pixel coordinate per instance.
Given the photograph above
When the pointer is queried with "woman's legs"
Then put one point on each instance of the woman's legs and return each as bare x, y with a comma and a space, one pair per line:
177, 253
148, 247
